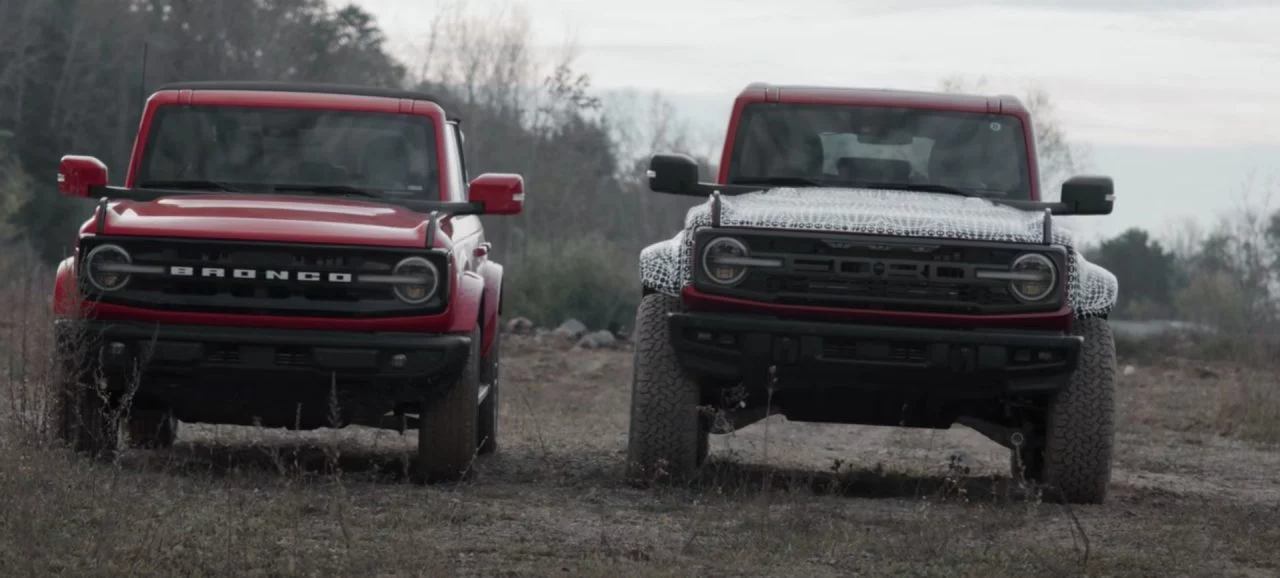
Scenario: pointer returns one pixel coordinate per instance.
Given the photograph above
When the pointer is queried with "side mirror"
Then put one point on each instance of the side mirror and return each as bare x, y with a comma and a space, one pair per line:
674, 174
497, 193
79, 175
1088, 195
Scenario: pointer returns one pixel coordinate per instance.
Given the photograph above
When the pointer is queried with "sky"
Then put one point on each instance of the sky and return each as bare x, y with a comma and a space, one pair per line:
1125, 75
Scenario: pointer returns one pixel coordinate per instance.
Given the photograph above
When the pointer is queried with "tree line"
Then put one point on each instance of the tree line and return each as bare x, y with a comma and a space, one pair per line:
1224, 275
72, 81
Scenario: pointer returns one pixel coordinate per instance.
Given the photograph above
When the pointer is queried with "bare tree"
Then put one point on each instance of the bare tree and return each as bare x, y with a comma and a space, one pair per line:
1057, 157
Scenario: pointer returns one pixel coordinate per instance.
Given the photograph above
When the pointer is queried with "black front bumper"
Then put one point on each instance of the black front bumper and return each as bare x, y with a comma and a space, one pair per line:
262, 375
826, 355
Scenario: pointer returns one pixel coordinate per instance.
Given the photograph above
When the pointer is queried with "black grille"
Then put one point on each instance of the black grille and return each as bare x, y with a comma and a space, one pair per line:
280, 283
880, 272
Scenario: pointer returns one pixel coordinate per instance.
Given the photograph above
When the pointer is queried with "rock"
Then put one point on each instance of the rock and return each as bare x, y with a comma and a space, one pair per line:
571, 329
520, 326
1129, 370
597, 340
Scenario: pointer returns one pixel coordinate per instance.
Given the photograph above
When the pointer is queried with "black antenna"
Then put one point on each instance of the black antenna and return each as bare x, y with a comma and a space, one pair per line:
142, 76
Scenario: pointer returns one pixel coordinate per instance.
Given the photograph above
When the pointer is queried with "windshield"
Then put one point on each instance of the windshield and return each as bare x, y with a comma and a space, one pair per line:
255, 149
841, 145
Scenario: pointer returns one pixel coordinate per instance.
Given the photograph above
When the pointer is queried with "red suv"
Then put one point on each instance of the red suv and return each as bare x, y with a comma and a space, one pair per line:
285, 255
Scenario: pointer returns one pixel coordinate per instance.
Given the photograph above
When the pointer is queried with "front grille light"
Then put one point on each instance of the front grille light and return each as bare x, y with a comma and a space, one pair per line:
1032, 277
725, 261
108, 267
415, 280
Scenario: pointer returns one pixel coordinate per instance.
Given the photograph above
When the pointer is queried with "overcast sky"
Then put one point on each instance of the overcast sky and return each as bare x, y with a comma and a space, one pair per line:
1178, 100
1122, 71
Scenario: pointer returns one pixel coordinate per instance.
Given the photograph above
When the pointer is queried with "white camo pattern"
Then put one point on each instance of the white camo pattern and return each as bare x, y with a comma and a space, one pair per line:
665, 266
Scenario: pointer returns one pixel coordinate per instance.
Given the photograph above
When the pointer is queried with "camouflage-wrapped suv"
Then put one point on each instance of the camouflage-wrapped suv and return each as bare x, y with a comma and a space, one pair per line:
884, 258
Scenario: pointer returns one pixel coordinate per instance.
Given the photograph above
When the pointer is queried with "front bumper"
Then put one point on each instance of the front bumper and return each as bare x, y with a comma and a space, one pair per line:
825, 355
253, 375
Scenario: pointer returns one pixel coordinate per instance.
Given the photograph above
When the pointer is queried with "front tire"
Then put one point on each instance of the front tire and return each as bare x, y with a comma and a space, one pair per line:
1075, 462
151, 429
489, 371
666, 438
86, 419
447, 429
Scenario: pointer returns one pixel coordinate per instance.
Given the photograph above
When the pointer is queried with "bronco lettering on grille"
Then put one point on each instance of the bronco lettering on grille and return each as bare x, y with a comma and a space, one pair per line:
268, 274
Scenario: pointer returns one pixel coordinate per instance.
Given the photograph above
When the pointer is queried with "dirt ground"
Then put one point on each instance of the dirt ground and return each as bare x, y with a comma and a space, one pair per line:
779, 499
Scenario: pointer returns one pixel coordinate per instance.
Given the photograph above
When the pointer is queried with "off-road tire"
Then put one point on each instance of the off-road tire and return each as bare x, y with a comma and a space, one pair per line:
666, 440
152, 429
1075, 463
489, 373
447, 431
85, 419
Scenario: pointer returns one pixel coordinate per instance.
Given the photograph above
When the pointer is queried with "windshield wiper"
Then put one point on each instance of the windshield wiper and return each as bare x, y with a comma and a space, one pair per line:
781, 181
921, 187
191, 185
328, 190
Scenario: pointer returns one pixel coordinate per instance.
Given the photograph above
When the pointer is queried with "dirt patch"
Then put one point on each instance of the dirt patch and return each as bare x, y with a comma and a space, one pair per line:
824, 501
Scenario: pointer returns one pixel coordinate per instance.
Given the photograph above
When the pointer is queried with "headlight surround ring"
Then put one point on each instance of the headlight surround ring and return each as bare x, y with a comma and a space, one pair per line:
721, 246
425, 266
1033, 262
101, 252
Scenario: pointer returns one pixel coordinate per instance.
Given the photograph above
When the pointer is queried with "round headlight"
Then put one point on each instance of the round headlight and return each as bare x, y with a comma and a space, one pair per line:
714, 256
416, 280
1037, 277
106, 267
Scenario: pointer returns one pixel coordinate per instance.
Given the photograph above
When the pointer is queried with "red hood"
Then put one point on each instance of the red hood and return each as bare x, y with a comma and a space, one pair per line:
268, 218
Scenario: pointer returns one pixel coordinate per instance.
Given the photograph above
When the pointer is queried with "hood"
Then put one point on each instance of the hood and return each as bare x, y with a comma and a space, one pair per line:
880, 212
279, 218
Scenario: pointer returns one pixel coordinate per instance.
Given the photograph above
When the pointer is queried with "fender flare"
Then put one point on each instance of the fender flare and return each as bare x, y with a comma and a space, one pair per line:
65, 293
464, 304
491, 303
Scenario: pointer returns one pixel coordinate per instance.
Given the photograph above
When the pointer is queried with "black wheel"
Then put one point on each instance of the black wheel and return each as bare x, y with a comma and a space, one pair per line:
1074, 463
489, 372
87, 422
666, 438
447, 432
152, 429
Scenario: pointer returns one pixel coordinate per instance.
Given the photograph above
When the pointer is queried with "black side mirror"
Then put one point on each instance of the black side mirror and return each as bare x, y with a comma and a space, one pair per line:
675, 174
1088, 195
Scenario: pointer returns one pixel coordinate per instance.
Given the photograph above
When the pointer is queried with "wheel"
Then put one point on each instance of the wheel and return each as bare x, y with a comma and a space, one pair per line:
86, 420
447, 432
1074, 463
151, 429
488, 421
666, 438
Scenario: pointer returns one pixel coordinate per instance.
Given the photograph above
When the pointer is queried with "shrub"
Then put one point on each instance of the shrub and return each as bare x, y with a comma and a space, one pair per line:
588, 278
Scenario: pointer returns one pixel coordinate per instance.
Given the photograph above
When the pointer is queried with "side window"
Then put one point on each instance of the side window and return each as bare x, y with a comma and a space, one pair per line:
457, 182
462, 152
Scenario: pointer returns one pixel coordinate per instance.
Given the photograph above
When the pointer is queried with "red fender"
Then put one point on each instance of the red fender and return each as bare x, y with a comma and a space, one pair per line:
464, 307
65, 294
492, 304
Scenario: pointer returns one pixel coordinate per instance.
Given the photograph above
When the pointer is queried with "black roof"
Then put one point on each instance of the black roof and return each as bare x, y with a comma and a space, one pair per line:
275, 86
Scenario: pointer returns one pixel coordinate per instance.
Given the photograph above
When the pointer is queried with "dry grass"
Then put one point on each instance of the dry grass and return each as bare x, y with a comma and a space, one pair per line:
1191, 497
1233, 377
